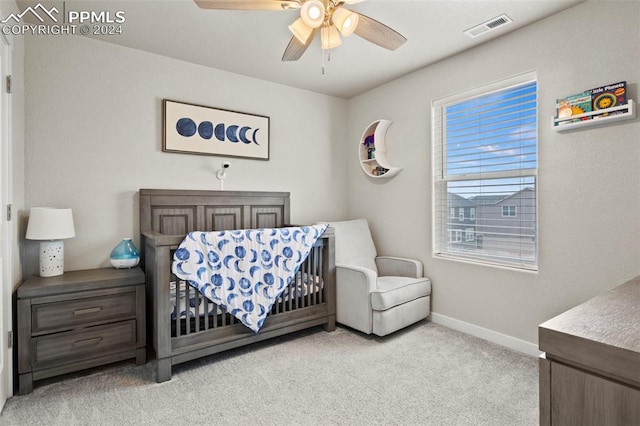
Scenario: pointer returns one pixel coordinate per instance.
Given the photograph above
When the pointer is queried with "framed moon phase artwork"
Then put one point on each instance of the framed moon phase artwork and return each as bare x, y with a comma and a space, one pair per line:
197, 129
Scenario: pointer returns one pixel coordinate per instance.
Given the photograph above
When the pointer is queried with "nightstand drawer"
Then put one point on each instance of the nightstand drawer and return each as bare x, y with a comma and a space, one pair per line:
64, 348
79, 320
73, 313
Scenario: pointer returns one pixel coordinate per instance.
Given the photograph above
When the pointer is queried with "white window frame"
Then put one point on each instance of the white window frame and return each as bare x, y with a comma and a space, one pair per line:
439, 180
452, 212
461, 214
472, 213
510, 208
469, 234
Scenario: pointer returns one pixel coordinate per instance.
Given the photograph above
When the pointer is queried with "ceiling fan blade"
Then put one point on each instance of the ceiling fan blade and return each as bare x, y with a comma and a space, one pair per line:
295, 49
378, 33
248, 4
353, 1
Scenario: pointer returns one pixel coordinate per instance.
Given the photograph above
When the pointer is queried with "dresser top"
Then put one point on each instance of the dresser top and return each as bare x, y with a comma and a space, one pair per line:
601, 334
85, 280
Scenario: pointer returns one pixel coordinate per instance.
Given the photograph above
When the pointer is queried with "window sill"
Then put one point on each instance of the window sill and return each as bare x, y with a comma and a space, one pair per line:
531, 269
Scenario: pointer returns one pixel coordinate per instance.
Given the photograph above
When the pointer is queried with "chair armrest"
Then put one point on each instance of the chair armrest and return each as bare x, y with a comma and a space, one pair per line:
399, 267
353, 301
363, 279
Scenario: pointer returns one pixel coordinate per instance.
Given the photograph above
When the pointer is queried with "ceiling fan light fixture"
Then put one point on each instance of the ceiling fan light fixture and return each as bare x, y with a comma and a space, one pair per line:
329, 37
301, 30
329, 17
345, 20
312, 13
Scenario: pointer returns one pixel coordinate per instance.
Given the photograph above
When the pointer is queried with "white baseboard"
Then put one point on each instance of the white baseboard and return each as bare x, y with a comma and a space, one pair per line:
486, 334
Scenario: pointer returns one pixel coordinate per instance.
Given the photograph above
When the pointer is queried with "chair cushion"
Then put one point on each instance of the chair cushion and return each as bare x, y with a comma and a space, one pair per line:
394, 291
354, 245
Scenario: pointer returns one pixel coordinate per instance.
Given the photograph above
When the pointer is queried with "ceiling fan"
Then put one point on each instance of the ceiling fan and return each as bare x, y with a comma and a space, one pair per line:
327, 16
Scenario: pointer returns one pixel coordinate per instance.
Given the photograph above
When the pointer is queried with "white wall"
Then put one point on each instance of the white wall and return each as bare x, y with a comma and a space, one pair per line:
93, 138
589, 180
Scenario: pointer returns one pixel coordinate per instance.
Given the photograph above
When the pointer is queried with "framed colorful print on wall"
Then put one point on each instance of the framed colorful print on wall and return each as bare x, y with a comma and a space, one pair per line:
197, 129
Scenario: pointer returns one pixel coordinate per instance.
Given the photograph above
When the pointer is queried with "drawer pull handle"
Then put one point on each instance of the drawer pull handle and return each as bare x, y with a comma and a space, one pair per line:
87, 342
87, 311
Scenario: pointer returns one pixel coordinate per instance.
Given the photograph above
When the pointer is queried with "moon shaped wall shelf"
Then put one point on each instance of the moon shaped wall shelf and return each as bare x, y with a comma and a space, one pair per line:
372, 151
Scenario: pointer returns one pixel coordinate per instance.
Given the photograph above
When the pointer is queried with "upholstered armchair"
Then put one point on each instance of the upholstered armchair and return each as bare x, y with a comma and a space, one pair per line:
376, 294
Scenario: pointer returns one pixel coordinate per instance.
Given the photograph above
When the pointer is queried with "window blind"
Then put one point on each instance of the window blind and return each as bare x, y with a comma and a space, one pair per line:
485, 170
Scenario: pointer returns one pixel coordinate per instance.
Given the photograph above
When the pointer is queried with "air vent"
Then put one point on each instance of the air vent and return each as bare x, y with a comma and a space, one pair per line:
490, 25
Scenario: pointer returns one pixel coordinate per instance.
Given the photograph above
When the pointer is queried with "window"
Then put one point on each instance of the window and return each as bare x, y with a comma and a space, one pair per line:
453, 213
461, 214
469, 234
485, 158
457, 235
509, 211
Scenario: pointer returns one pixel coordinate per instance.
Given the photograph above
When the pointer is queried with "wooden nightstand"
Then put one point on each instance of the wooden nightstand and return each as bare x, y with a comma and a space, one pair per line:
79, 320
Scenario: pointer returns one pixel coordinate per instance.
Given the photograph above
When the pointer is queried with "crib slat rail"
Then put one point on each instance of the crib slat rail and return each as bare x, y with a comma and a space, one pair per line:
192, 312
308, 301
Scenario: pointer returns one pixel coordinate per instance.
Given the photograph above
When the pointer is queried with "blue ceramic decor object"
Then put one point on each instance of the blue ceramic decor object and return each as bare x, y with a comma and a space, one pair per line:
125, 254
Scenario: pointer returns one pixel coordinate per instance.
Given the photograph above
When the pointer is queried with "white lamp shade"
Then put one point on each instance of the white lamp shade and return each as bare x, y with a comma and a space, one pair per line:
301, 30
312, 13
47, 223
345, 20
330, 37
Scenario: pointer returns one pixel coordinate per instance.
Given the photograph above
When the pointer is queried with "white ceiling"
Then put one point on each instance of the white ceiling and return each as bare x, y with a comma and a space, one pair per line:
251, 43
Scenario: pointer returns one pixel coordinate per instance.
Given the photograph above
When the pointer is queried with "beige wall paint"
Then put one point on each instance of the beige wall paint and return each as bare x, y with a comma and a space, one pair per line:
94, 138
589, 180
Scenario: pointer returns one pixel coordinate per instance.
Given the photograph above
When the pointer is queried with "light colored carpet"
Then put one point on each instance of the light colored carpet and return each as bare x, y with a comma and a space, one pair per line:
426, 374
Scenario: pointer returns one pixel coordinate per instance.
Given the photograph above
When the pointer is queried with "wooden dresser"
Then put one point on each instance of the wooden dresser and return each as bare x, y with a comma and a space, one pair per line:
590, 372
78, 320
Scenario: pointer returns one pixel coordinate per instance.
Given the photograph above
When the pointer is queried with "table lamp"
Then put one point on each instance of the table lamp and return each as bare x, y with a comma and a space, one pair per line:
50, 226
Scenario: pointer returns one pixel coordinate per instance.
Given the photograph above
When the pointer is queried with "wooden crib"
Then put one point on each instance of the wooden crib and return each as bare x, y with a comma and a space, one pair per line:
166, 216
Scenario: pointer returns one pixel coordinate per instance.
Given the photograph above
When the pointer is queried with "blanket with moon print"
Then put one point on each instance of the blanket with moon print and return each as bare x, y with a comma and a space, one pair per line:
244, 271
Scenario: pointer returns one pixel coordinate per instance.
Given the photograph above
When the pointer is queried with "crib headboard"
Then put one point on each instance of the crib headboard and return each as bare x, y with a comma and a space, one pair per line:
178, 212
